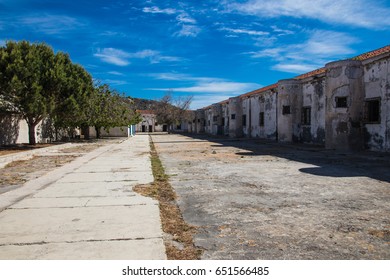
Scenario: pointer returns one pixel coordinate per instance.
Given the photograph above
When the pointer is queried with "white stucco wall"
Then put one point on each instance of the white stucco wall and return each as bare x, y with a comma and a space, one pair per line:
377, 85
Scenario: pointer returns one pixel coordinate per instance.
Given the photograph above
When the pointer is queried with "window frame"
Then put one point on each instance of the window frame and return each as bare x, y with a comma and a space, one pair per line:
339, 104
261, 119
368, 111
286, 110
306, 115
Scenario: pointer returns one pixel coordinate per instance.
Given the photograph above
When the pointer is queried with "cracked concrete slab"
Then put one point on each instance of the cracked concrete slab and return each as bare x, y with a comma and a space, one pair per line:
86, 210
124, 249
79, 223
66, 202
77, 189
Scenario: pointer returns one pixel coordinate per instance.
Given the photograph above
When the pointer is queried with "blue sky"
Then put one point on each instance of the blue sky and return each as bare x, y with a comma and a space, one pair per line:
210, 50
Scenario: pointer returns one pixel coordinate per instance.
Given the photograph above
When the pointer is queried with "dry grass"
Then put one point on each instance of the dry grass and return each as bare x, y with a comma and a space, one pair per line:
180, 246
20, 171
12, 149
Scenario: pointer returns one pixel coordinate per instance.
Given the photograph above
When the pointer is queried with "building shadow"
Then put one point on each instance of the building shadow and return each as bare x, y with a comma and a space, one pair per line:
329, 163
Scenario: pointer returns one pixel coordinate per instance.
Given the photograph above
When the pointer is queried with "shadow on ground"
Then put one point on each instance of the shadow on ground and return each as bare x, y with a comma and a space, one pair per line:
375, 165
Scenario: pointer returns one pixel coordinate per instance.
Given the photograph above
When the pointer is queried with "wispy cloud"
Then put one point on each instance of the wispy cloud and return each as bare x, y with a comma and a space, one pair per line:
363, 13
188, 25
321, 47
157, 10
113, 56
204, 100
188, 31
122, 58
244, 31
185, 18
204, 84
115, 82
51, 24
115, 73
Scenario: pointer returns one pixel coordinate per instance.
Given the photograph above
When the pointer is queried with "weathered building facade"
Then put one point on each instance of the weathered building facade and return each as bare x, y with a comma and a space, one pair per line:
344, 105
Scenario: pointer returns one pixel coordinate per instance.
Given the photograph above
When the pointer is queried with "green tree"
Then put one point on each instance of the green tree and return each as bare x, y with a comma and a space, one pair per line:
27, 81
107, 108
75, 90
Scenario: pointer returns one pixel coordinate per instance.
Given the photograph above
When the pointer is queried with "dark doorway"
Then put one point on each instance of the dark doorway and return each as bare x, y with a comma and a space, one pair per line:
143, 128
150, 128
165, 128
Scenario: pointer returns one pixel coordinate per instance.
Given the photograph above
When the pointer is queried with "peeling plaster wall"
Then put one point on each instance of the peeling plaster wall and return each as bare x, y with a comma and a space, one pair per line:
247, 114
344, 126
216, 119
289, 124
313, 94
200, 121
225, 116
264, 103
377, 85
235, 125
208, 118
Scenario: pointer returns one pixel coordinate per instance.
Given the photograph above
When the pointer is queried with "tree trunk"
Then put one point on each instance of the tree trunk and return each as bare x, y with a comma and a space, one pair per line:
97, 129
85, 130
31, 133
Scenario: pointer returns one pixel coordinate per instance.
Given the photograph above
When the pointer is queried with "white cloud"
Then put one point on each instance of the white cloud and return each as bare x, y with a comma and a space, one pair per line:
204, 100
204, 84
116, 73
122, 58
188, 31
187, 24
321, 47
114, 56
115, 82
185, 18
245, 31
157, 10
219, 87
364, 13
295, 68
51, 24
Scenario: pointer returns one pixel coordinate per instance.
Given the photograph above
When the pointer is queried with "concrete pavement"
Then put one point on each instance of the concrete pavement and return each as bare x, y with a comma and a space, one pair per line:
86, 209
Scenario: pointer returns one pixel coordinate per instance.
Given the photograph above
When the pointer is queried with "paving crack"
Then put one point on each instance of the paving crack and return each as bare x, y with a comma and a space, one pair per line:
79, 241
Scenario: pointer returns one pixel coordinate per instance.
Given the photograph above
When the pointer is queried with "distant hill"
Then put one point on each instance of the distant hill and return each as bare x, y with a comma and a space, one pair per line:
144, 104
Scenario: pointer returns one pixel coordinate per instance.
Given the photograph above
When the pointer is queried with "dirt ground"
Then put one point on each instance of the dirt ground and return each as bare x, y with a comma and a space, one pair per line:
16, 173
257, 200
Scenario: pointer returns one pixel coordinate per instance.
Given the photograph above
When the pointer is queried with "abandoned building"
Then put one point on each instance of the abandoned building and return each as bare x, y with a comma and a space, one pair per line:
344, 105
149, 122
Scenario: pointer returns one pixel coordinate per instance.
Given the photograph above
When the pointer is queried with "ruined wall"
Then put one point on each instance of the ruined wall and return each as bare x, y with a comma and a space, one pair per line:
344, 124
225, 119
216, 119
246, 116
200, 121
235, 118
208, 119
313, 94
377, 86
289, 110
264, 104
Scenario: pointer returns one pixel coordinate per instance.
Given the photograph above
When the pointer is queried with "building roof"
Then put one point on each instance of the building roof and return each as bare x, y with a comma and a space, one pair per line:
361, 57
373, 53
260, 90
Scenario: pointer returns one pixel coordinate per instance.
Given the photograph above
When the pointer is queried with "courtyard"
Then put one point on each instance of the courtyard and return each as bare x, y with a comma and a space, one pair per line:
251, 199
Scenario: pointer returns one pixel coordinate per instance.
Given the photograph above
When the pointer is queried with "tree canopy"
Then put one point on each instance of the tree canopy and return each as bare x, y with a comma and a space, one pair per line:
37, 83
107, 108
